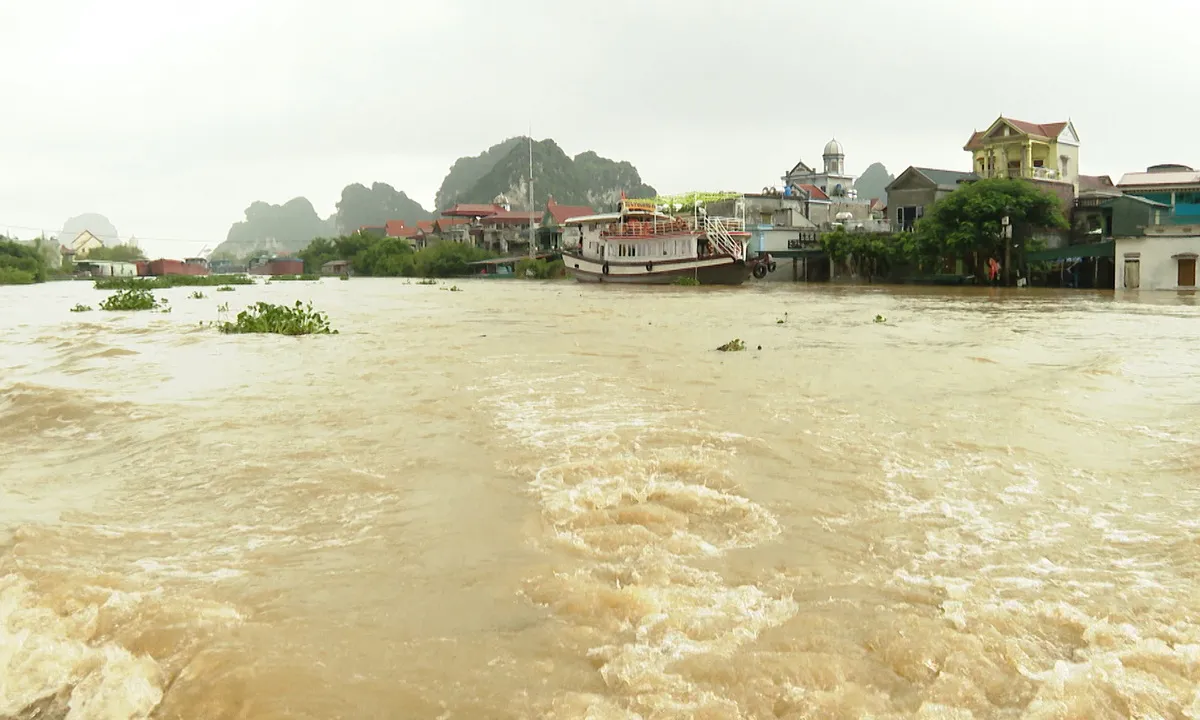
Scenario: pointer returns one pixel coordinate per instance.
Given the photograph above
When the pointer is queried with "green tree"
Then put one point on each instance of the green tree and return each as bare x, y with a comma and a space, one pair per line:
870, 255
318, 252
116, 253
21, 264
392, 257
971, 219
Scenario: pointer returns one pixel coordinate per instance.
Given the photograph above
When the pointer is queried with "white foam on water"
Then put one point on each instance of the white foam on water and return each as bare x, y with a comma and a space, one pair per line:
44, 654
637, 492
1068, 624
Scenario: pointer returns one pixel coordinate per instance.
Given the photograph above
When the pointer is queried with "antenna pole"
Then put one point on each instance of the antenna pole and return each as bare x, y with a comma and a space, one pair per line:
532, 208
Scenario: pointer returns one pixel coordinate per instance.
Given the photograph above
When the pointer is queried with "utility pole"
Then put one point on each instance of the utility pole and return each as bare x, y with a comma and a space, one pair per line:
1007, 232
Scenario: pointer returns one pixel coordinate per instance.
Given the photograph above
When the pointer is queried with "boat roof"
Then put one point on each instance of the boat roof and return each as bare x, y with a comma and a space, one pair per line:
613, 217
592, 218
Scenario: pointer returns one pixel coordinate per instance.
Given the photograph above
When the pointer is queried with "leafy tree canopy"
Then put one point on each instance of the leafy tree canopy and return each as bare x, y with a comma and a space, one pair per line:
116, 253
391, 257
20, 264
971, 218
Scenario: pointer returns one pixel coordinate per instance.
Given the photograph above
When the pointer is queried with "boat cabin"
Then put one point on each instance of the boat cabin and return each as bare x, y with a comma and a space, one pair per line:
640, 231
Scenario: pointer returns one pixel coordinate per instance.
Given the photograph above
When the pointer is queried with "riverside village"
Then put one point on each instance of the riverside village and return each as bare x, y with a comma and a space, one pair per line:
1141, 231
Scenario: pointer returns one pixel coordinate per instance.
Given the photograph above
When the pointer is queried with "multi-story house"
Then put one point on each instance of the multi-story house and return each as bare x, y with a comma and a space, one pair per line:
1018, 149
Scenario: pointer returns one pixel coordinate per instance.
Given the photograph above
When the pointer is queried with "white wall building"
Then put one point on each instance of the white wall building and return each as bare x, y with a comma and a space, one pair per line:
1163, 259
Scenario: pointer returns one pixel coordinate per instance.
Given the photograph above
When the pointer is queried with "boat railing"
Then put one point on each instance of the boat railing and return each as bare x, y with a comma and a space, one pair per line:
717, 230
672, 226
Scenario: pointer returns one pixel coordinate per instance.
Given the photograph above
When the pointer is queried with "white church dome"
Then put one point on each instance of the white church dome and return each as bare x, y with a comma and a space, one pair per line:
834, 148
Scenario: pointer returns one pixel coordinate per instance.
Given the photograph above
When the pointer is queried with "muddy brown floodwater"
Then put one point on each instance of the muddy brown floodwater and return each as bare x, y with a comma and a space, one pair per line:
558, 501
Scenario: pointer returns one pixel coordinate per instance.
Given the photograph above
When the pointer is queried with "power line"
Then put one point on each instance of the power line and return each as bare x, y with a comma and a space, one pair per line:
105, 236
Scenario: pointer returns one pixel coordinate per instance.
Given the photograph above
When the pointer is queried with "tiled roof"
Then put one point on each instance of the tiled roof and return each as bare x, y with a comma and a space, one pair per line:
392, 228
405, 232
562, 213
1047, 130
448, 222
1094, 182
425, 225
472, 210
814, 192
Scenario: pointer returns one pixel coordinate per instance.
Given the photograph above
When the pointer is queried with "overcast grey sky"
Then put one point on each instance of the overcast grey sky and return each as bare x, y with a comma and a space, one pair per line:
171, 117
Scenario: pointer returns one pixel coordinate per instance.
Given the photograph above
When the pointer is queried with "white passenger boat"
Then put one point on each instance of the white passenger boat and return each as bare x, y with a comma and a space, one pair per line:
646, 243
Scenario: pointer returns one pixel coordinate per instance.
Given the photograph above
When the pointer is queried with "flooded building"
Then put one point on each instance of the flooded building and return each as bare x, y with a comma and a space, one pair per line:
1162, 258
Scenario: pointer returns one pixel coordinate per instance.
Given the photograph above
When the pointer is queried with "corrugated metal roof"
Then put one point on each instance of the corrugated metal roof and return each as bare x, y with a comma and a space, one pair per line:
1160, 178
947, 178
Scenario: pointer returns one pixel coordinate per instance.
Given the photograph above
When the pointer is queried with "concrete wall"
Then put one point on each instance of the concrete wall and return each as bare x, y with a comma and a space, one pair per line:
1157, 267
1130, 217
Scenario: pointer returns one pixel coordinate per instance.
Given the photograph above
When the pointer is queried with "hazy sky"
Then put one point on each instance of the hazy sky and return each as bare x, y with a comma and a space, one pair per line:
171, 117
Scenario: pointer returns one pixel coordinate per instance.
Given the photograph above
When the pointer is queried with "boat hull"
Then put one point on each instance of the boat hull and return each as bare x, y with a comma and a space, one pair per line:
722, 270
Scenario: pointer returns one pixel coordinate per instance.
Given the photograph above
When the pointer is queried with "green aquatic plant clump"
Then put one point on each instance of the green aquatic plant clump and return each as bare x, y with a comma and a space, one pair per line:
261, 317
80, 307
225, 288
307, 277
734, 345
132, 299
168, 281
197, 295
686, 281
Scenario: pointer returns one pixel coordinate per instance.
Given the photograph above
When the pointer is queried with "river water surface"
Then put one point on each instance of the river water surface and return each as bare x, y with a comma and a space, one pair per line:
559, 501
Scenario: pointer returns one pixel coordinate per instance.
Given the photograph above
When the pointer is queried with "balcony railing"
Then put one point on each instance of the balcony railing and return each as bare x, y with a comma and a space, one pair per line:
1034, 173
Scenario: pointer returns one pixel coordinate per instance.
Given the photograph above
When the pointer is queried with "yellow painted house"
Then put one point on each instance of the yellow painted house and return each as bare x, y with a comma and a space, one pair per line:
1018, 149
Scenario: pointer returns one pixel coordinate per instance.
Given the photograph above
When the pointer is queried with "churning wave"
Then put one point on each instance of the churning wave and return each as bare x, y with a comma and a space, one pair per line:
637, 493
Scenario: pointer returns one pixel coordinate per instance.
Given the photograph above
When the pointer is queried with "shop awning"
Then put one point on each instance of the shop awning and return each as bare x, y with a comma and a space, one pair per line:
1101, 249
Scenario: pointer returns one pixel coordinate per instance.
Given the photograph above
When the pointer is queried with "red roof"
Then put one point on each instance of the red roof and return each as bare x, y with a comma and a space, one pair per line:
1047, 130
425, 225
514, 217
814, 192
469, 210
448, 222
563, 213
393, 228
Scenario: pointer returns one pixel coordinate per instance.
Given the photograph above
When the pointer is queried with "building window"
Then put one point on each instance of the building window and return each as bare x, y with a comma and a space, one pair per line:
1064, 165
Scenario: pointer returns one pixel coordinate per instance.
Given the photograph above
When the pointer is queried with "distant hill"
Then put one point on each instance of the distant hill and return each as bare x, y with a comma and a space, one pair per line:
873, 182
586, 179
502, 169
94, 222
274, 228
375, 206
466, 171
